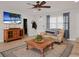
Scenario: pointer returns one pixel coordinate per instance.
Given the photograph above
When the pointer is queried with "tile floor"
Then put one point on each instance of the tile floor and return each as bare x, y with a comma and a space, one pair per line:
12, 44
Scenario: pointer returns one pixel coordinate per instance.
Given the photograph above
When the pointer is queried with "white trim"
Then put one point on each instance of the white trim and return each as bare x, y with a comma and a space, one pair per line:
72, 39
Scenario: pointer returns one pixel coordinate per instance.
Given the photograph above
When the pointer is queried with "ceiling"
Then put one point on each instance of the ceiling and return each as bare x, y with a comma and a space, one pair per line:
23, 6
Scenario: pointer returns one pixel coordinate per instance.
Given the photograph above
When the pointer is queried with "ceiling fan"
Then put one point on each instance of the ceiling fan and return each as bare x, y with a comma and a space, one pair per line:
39, 5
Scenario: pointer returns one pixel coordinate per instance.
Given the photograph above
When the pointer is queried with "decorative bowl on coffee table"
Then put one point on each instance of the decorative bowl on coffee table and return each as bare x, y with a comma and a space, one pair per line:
39, 39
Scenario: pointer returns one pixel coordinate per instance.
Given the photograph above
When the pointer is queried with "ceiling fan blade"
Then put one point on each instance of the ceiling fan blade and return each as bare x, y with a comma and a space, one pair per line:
30, 4
38, 2
42, 3
45, 6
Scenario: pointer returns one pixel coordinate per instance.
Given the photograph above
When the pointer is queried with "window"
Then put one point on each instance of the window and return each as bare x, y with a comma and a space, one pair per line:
52, 23
56, 22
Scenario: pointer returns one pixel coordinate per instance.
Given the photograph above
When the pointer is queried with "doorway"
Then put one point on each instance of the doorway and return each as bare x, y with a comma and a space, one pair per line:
25, 26
66, 25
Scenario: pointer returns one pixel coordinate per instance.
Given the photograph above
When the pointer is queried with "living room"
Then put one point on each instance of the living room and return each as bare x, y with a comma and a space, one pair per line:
38, 16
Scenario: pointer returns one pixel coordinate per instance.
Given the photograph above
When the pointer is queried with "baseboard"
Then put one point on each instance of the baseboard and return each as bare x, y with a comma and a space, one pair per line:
72, 39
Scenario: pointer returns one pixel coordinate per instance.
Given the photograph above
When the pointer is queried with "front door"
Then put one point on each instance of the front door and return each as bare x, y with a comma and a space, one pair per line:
66, 25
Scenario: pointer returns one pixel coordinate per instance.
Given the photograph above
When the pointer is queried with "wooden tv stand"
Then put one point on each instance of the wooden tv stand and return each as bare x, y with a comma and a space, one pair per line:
12, 34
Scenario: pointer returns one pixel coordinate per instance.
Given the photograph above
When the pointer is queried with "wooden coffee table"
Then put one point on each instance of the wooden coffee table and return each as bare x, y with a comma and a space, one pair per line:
40, 46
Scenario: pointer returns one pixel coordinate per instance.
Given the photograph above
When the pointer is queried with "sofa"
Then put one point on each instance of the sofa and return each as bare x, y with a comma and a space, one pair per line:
57, 38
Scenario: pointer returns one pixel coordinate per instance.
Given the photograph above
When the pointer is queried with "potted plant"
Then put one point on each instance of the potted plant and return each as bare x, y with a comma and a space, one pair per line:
39, 39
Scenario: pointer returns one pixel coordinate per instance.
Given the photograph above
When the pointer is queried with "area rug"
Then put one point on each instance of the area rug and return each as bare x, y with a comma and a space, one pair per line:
21, 51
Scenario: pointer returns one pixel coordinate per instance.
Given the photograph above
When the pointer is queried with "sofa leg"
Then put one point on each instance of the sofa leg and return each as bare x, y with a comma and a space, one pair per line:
57, 42
61, 41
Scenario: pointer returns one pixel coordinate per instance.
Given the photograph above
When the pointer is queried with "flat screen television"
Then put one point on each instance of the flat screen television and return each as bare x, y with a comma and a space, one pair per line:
11, 17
